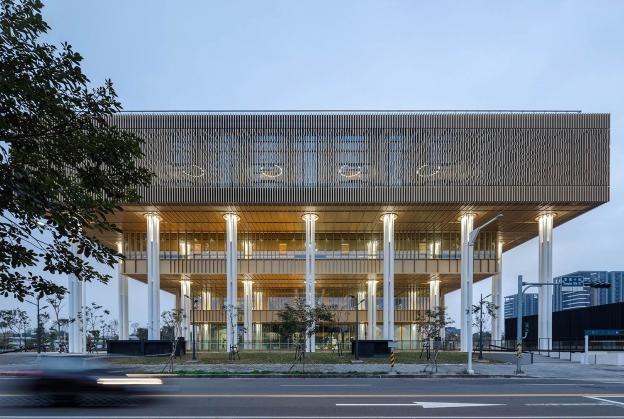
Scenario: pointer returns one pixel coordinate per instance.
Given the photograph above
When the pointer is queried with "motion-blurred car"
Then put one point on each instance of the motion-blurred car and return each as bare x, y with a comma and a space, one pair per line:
57, 380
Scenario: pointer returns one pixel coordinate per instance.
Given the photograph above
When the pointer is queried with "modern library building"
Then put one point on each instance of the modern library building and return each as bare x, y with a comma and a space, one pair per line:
379, 211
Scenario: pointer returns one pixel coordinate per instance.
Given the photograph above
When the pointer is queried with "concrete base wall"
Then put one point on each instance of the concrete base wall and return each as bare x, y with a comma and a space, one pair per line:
602, 358
507, 357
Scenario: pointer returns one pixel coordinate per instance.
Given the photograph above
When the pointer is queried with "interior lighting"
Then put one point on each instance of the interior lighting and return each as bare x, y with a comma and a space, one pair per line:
195, 171
428, 171
350, 172
272, 172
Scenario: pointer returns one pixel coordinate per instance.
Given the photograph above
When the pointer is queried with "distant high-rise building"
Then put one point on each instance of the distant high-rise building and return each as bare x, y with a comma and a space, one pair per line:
529, 305
567, 298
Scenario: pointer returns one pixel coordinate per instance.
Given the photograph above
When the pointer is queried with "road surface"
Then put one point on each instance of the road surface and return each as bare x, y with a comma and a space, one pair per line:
357, 398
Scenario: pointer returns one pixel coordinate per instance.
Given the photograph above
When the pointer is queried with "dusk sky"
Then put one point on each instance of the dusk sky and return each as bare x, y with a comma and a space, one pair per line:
384, 55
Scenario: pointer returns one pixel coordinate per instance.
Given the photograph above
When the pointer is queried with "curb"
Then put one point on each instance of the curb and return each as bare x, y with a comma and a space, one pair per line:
325, 375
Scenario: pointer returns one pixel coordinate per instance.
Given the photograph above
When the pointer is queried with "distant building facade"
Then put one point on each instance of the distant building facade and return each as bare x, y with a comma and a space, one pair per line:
568, 298
529, 305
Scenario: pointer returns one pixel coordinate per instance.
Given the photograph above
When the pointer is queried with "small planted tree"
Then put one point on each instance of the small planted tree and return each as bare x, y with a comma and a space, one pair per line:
95, 317
172, 321
433, 323
482, 314
14, 321
300, 321
60, 324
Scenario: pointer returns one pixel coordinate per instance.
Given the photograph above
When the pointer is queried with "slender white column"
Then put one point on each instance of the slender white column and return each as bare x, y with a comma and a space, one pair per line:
82, 339
258, 305
371, 312
388, 276
122, 287
467, 266
498, 321
310, 276
544, 315
231, 256
153, 275
434, 293
248, 312
185, 308
76, 330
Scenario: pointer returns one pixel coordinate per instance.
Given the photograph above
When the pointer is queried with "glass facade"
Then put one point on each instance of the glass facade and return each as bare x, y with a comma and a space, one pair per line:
408, 245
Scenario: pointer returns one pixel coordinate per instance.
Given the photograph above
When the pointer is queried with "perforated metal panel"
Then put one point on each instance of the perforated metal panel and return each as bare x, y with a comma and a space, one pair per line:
373, 157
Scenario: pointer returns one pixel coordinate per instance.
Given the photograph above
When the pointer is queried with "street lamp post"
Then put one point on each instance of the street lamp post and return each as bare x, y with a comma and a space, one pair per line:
357, 326
471, 241
37, 304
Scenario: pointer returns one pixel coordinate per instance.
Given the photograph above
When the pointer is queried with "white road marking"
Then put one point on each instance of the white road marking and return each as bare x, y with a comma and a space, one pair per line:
325, 385
307, 417
424, 405
613, 402
558, 384
566, 404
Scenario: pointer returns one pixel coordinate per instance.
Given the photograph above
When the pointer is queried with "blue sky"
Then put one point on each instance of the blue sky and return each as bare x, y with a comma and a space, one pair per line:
263, 55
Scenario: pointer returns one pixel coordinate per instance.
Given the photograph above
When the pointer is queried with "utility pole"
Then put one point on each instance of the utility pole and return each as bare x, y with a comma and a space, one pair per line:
471, 241
37, 304
519, 326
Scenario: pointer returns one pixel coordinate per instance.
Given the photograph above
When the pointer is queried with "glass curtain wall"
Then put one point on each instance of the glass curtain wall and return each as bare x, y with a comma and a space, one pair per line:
408, 245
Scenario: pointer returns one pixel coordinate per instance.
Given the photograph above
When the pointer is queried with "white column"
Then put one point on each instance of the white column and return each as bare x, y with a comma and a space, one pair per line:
467, 265
231, 256
310, 281
248, 312
185, 308
371, 312
434, 296
388, 276
258, 305
153, 275
122, 288
76, 330
498, 321
434, 293
544, 316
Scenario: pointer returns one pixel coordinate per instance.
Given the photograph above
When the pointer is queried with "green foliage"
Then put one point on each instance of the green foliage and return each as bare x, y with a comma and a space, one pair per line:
141, 333
435, 320
63, 167
14, 322
171, 324
299, 320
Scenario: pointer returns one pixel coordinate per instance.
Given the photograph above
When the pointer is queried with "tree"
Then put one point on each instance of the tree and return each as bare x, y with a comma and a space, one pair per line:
300, 321
14, 321
171, 324
64, 168
172, 328
60, 324
434, 321
141, 333
482, 314
94, 320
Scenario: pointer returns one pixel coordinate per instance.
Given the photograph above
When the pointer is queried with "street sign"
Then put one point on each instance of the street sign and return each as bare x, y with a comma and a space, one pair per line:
572, 281
580, 281
604, 332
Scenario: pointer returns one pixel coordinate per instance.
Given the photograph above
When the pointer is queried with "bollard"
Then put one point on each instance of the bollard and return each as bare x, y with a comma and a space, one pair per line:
392, 371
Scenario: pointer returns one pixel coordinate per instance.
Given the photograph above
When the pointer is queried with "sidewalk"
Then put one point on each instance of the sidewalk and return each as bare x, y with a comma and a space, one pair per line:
564, 370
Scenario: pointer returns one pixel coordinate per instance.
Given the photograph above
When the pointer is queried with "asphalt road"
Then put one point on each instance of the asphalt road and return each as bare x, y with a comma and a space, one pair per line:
355, 398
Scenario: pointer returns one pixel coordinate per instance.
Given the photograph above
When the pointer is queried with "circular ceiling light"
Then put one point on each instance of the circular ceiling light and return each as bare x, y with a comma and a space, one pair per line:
428, 171
195, 171
349, 171
271, 171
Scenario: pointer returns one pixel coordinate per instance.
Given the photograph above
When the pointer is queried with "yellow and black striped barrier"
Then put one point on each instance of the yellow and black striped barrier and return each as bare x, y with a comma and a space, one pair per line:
391, 361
